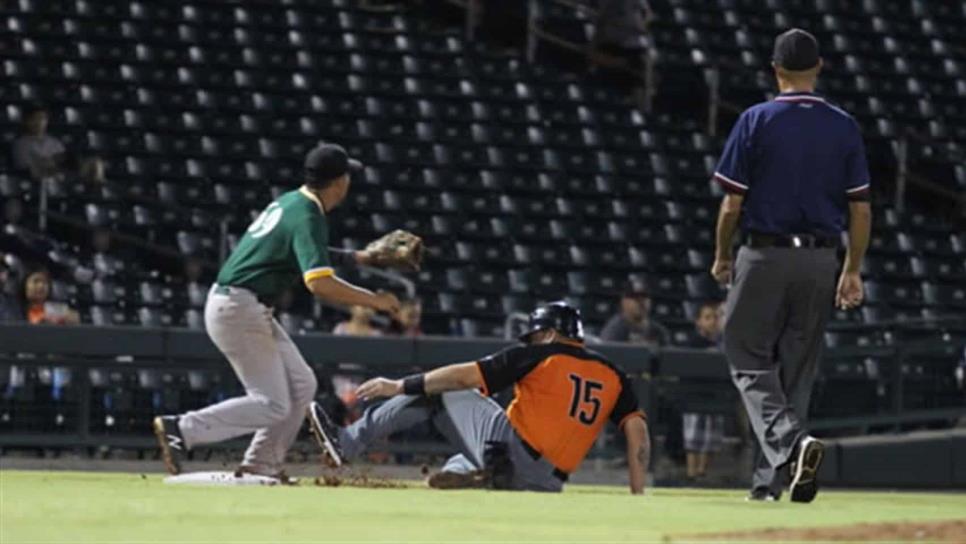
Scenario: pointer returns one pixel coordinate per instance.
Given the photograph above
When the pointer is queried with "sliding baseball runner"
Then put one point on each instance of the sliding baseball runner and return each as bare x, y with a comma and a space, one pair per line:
564, 394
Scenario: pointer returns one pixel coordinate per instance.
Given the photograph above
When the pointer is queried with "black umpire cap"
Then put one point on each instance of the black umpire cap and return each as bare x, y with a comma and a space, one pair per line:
326, 162
558, 316
796, 50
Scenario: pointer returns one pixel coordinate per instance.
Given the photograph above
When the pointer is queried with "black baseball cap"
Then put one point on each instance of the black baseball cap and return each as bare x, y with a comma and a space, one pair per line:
326, 162
796, 50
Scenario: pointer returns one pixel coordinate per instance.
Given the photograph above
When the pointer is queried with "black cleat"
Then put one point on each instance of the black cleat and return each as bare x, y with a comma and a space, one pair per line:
171, 442
804, 468
326, 434
281, 476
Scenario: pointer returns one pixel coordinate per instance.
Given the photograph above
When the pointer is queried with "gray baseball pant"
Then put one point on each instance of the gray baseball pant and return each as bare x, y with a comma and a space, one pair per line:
467, 419
279, 385
775, 318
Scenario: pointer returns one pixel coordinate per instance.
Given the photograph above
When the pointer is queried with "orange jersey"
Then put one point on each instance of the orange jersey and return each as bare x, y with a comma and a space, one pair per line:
563, 396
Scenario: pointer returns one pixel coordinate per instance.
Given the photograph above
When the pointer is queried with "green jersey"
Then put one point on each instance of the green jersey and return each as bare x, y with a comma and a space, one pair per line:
289, 238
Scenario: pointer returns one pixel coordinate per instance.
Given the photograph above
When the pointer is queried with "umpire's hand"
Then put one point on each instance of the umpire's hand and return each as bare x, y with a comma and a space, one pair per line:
850, 291
721, 271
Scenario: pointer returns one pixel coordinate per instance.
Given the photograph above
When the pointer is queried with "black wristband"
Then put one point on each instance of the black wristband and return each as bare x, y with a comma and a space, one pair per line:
342, 257
414, 385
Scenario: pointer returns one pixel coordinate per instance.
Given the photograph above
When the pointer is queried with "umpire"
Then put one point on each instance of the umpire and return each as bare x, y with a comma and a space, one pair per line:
793, 168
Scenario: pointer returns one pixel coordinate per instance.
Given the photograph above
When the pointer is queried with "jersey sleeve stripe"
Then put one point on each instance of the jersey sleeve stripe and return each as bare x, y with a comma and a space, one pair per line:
728, 182
858, 189
317, 273
635, 413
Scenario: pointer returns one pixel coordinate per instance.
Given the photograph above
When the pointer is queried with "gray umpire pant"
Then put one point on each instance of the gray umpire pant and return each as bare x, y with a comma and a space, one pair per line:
279, 385
467, 419
775, 316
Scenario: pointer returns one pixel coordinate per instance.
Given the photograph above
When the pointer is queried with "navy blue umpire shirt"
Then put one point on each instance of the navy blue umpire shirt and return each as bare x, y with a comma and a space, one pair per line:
797, 160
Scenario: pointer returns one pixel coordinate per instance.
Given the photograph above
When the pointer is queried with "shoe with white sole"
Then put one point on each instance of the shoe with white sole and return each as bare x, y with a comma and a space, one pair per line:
326, 434
173, 449
804, 469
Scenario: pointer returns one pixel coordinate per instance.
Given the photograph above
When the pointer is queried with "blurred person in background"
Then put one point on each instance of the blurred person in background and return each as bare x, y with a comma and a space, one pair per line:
707, 325
358, 324
345, 384
38, 309
703, 431
10, 311
410, 317
634, 324
620, 45
35, 303
703, 434
35, 151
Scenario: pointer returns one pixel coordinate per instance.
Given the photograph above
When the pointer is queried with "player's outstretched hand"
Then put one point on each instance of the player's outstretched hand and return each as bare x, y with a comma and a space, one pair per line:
387, 302
850, 292
379, 387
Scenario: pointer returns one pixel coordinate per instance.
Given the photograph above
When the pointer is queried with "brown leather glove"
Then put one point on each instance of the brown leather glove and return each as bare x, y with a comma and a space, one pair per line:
399, 249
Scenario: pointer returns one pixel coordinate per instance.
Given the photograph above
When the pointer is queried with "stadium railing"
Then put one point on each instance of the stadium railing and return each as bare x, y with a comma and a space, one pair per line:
700, 377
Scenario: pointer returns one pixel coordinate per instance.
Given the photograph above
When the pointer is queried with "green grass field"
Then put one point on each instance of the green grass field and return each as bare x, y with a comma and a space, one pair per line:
109, 507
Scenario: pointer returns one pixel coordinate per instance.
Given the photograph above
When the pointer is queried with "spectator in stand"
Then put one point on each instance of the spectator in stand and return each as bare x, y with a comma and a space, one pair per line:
35, 303
703, 435
345, 384
38, 309
634, 324
9, 306
703, 431
707, 325
194, 269
620, 44
36, 152
359, 323
93, 170
410, 316
106, 260
621, 29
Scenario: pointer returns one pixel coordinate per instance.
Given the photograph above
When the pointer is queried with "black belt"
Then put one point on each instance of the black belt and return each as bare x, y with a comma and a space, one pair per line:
807, 241
557, 473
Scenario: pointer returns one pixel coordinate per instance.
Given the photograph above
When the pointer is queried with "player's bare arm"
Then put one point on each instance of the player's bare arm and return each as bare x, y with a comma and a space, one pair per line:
850, 293
728, 215
448, 378
339, 291
638, 453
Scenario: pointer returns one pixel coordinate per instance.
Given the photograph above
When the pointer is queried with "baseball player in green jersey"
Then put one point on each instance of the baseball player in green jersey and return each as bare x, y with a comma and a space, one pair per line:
288, 239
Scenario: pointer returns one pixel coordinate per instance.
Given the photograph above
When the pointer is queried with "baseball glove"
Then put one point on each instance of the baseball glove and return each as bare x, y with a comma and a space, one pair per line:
399, 249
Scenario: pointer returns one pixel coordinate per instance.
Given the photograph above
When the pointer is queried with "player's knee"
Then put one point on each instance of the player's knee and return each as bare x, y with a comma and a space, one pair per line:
275, 410
305, 391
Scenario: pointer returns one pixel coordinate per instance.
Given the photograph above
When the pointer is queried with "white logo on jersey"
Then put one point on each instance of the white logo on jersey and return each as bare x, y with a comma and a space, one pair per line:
266, 221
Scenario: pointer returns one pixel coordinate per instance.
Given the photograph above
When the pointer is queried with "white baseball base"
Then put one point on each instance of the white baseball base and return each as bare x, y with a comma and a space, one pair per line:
220, 478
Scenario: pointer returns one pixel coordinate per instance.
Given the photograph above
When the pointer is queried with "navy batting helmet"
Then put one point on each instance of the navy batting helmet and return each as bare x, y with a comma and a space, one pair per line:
558, 316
